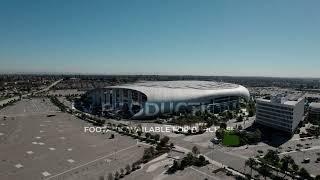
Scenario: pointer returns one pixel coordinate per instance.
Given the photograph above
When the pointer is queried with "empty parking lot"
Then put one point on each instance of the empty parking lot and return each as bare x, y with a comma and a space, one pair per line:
34, 146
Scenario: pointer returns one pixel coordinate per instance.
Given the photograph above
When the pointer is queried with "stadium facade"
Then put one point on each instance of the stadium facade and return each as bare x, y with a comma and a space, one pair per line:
149, 99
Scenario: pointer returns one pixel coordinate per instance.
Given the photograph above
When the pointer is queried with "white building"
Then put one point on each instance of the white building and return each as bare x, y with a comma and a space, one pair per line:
151, 98
280, 113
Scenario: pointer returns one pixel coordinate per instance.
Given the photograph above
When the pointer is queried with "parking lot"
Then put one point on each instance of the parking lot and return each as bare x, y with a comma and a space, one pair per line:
297, 148
34, 146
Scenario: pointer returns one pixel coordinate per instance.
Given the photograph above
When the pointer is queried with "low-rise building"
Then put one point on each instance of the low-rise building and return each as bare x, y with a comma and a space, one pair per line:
280, 113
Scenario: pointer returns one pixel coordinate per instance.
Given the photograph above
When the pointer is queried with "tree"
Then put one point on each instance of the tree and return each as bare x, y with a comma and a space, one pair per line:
223, 125
112, 136
148, 153
295, 168
171, 145
220, 133
147, 135
264, 170
251, 163
164, 141
240, 118
174, 167
122, 171
285, 162
133, 166
110, 176
117, 175
251, 108
304, 174
272, 158
201, 161
139, 133
156, 137
128, 169
195, 150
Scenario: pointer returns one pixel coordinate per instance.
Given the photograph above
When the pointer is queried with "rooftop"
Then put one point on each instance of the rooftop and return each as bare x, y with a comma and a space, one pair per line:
314, 105
202, 85
283, 99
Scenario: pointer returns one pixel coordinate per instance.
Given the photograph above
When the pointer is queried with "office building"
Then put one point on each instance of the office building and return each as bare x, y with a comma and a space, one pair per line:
280, 113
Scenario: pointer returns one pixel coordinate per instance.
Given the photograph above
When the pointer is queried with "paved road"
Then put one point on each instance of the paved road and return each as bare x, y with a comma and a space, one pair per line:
25, 95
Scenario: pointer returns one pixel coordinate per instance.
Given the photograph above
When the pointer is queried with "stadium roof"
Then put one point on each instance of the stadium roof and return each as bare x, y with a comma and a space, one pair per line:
202, 85
185, 90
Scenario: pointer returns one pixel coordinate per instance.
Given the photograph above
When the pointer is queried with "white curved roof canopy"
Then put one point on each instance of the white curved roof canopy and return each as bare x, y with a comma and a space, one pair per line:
173, 91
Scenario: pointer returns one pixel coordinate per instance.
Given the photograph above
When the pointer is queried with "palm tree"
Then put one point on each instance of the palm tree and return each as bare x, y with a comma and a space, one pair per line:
195, 150
285, 162
304, 174
251, 163
295, 168
264, 170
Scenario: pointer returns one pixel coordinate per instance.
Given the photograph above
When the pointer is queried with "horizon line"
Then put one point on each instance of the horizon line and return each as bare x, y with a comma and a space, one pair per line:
148, 74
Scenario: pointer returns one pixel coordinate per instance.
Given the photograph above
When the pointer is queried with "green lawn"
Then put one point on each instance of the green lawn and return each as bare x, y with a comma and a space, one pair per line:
230, 139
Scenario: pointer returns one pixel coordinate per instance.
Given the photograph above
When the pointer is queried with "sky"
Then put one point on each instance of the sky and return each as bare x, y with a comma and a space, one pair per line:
169, 37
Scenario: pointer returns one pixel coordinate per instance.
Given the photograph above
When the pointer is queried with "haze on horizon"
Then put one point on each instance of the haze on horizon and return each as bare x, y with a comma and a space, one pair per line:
228, 38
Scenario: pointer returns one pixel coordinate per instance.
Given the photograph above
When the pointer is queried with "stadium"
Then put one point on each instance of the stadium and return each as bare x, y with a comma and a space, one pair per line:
149, 99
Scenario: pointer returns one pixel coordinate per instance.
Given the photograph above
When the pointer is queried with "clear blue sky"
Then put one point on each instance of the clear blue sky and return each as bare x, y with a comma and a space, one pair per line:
206, 37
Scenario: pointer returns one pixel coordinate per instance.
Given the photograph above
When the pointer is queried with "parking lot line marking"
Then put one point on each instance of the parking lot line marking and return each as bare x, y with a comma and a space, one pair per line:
90, 162
203, 173
45, 173
70, 160
29, 152
18, 166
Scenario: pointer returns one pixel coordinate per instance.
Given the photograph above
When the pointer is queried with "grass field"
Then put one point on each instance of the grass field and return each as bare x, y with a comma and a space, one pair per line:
230, 139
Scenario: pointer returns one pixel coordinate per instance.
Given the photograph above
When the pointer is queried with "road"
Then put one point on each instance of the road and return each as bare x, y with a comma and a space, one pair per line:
25, 95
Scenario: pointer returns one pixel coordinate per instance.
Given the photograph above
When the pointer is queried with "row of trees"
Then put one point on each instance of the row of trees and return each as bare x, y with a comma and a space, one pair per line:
122, 172
251, 108
272, 162
162, 146
59, 104
209, 119
11, 102
191, 159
